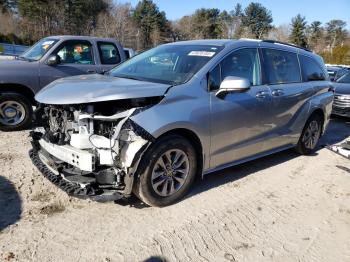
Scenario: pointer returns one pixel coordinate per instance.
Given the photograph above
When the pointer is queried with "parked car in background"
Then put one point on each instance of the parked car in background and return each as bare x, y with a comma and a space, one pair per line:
179, 110
341, 105
336, 72
129, 52
50, 59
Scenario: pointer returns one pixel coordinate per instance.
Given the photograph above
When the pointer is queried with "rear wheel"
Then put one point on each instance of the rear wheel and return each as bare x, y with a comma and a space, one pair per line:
15, 112
169, 169
310, 136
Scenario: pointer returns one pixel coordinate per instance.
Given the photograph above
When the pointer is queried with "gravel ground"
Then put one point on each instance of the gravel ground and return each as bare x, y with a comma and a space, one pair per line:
284, 207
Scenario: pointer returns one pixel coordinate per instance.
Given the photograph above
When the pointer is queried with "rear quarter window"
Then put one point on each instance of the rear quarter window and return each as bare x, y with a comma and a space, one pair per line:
281, 67
311, 70
109, 53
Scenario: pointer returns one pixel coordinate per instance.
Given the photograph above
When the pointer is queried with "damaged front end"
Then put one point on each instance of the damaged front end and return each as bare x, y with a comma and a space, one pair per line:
91, 150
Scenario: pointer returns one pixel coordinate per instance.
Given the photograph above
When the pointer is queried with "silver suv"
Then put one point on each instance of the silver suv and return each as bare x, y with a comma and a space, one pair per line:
155, 122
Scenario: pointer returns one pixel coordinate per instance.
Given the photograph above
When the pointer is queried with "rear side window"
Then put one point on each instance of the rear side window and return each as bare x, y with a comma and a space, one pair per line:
281, 67
311, 70
109, 53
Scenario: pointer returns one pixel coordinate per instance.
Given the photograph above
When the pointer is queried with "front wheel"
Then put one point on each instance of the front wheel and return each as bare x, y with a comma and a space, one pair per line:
169, 168
310, 136
15, 112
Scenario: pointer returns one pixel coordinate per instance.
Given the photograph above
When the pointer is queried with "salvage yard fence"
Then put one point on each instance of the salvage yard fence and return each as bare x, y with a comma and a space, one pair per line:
12, 50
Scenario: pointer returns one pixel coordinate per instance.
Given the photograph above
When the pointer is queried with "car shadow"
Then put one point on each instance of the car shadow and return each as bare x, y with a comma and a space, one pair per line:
338, 130
232, 174
10, 204
155, 259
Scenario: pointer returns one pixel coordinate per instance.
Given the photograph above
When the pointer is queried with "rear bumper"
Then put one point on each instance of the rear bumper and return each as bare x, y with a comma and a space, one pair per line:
81, 183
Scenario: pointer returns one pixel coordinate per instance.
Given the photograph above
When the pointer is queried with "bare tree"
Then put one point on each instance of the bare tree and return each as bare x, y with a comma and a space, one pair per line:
280, 33
117, 23
8, 24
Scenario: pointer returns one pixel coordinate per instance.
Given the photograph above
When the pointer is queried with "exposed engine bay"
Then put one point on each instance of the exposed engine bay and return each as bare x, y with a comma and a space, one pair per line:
95, 146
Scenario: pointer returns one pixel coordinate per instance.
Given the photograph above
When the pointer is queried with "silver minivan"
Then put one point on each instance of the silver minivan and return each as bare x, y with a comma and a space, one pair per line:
152, 124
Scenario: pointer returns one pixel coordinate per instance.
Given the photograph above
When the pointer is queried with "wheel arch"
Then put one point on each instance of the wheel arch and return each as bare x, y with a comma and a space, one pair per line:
20, 89
192, 138
320, 112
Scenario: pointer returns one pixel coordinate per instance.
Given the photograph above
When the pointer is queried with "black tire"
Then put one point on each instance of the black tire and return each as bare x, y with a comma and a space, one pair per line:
143, 188
304, 147
27, 110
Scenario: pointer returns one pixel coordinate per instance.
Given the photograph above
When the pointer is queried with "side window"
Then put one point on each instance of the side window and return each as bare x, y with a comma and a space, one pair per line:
214, 79
243, 63
127, 54
281, 67
109, 53
76, 52
344, 79
311, 70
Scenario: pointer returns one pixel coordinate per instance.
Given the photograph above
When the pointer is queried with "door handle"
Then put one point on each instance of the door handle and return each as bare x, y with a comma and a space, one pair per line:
91, 71
277, 92
261, 94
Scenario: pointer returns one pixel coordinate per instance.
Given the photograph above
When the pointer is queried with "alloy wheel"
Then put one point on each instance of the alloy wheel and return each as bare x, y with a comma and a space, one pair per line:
170, 172
311, 135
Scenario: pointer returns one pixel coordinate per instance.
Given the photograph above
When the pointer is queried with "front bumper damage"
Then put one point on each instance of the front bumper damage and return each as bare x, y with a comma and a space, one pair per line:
102, 173
90, 190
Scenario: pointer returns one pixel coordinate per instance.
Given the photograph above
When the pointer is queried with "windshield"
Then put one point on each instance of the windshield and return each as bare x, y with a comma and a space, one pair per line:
37, 51
169, 64
344, 78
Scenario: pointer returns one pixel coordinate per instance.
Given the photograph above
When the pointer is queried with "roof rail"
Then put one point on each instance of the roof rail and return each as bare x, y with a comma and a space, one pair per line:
287, 44
250, 39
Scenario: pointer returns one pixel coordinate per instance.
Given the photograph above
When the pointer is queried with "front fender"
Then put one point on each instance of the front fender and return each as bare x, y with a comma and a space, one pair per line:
180, 109
22, 73
323, 102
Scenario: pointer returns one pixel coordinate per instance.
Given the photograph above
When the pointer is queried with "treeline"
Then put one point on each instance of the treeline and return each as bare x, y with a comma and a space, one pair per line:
144, 25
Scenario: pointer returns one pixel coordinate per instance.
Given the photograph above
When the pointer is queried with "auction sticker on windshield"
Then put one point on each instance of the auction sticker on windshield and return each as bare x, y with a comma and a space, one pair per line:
201, 53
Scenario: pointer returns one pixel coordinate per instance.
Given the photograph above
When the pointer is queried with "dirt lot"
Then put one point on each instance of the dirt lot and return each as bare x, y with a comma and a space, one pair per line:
283, 207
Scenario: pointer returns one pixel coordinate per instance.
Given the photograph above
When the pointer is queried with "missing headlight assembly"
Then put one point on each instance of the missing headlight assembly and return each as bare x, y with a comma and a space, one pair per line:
91, 150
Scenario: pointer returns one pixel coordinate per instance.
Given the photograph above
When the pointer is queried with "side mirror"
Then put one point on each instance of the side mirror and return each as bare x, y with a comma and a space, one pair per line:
53, 60
233, 84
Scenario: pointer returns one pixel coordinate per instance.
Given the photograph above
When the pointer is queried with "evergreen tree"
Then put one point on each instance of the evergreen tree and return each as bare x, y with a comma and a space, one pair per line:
7, 5
315, 34
81, 15
150, 20
47, 17
207, 23
298, 34
237, 11
257, 19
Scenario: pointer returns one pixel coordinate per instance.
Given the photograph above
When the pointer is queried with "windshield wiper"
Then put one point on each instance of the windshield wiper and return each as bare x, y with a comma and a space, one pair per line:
24, 58
129, 77
144, 79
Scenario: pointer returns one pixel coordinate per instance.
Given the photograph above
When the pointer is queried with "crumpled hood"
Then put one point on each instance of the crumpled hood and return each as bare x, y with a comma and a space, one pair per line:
97, 88
342, 88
